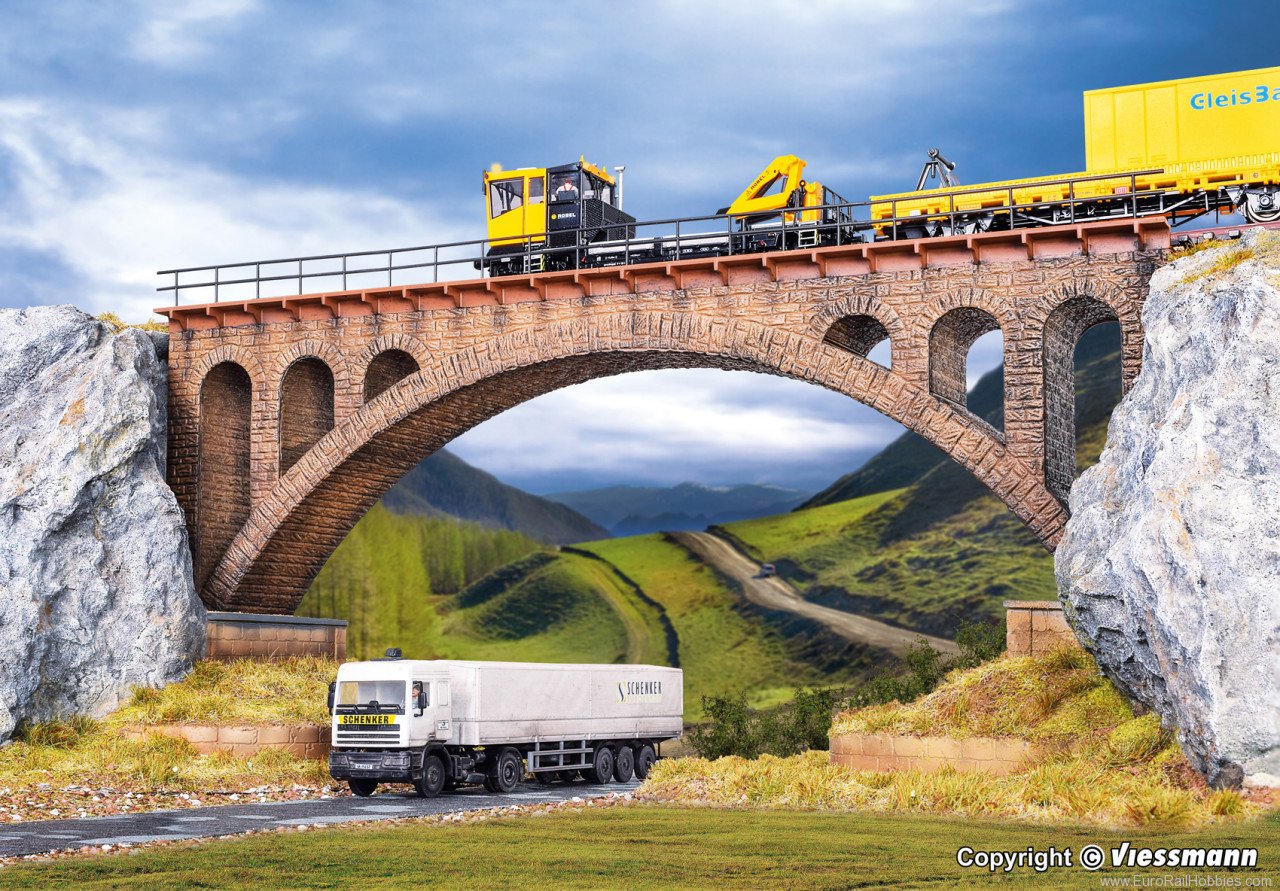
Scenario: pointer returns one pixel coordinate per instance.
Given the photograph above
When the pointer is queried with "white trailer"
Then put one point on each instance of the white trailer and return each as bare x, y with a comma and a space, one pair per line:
436, 724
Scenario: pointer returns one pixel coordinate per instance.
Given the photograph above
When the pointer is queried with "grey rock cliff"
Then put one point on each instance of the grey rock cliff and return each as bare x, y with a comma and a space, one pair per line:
96, 590
1170, 566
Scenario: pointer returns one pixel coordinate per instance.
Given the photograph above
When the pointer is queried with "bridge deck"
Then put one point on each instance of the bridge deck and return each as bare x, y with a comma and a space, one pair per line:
1102, 237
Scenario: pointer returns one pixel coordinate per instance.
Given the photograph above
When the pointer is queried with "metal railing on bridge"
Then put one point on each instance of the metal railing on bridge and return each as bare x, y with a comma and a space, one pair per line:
672, 239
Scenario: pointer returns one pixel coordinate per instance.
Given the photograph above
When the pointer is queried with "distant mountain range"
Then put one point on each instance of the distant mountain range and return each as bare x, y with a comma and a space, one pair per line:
445, 484
637, 510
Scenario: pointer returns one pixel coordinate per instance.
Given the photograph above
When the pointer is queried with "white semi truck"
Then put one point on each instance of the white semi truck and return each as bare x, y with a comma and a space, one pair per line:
437, 724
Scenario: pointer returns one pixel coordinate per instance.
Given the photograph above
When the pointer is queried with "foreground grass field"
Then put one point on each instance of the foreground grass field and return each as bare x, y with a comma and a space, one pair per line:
626, 847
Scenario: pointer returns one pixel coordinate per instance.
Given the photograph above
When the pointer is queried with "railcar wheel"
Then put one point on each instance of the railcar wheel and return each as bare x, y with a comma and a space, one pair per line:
645, 759
1262, 205
624, 765
601, 770
432, 781
363, 788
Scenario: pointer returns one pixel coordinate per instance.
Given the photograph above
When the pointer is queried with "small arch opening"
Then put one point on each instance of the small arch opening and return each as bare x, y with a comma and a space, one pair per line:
386, 370
1076, 335
862, 335
226, 400
962, 337
306, 409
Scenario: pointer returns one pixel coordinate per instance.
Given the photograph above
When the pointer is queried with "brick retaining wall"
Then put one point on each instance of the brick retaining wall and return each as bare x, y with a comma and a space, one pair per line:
1036, 627
884, 751
267, 638
302, 740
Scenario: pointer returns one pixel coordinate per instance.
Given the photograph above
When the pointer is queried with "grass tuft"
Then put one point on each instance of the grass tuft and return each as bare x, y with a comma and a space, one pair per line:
292, 691
1100, 764
82, 751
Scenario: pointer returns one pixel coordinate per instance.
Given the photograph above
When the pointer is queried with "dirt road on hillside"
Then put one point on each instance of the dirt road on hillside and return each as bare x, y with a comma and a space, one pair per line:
774, 593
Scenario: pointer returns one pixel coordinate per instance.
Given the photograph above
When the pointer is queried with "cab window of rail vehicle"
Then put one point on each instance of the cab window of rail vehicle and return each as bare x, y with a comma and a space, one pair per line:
566, 187
382, 696
505, 195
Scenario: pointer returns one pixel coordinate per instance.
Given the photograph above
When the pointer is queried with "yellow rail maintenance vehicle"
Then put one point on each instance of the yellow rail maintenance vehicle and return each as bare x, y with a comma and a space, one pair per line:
1178, 148
534, 209
571, 217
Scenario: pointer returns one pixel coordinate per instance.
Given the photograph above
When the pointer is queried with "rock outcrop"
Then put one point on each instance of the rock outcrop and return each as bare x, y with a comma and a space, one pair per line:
96, 590
1170, 566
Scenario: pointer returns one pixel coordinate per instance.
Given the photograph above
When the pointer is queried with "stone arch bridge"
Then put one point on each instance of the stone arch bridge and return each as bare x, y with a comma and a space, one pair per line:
289, 417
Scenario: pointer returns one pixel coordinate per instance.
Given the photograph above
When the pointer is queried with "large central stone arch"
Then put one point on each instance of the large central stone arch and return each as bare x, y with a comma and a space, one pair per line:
292, 530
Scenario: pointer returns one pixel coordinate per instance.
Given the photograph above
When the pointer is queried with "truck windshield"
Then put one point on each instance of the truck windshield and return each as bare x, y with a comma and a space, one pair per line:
371, 696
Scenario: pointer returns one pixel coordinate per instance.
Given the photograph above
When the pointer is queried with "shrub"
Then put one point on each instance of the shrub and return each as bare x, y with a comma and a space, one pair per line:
732, 728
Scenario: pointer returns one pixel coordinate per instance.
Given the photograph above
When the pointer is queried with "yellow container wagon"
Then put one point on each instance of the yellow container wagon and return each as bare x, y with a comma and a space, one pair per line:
1178, 147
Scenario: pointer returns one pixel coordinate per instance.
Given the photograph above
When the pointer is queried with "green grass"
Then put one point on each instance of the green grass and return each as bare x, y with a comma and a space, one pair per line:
923, 557
551, 608
1057, 696
627, 847
721, 647
82, 751
292, 691
1063, 790
1098, 763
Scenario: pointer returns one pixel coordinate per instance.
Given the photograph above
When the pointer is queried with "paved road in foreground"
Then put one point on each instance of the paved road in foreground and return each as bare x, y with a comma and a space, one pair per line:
37, 837
775, 593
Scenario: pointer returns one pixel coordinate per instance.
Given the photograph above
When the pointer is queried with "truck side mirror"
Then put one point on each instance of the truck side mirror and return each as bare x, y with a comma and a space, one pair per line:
422, 700
333, 685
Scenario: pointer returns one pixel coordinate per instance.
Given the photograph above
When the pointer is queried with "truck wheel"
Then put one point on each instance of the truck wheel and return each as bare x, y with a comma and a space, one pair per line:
601, 766
645, 759
508, 771
432, 777
624, 766
363, 788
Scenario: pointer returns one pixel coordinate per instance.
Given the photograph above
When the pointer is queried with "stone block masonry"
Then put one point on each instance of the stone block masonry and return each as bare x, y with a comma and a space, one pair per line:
234, 636
1036, 627
290, 417
885, 752
301, 740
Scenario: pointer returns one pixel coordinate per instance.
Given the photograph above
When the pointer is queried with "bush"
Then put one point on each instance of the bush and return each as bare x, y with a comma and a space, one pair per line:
732, 728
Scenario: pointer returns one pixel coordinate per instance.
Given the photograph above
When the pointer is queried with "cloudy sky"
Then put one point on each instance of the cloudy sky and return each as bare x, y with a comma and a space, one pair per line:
136, 136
